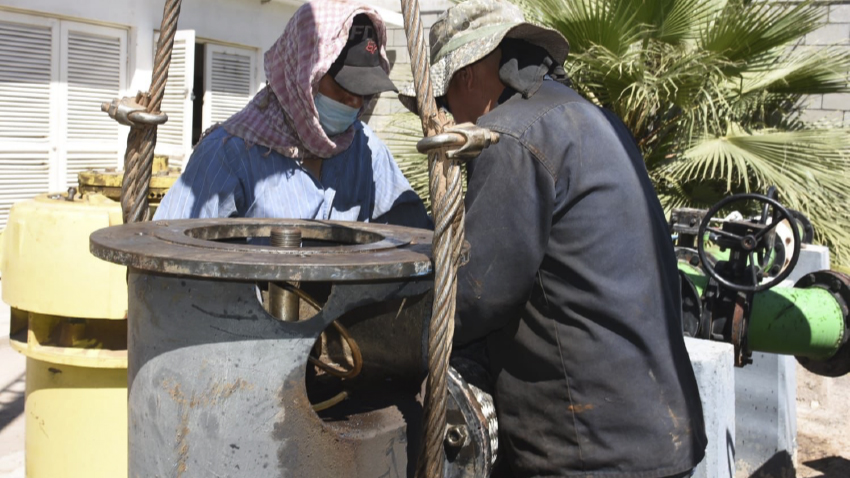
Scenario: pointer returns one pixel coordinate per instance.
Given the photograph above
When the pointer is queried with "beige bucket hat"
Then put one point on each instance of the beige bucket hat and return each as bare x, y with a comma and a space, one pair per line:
471, 30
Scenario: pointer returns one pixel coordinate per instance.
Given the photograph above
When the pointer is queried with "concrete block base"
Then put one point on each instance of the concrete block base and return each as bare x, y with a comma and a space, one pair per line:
766, 398
766, 412
713, 367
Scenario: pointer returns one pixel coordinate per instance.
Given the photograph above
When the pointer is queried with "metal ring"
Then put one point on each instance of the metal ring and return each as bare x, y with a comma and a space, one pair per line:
194, 247
144, 117
444, 140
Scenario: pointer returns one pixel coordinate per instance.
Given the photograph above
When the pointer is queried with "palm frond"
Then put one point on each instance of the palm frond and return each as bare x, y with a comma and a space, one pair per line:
806, 72
610, 24
401, 135
744, 30
771, 157
683, 20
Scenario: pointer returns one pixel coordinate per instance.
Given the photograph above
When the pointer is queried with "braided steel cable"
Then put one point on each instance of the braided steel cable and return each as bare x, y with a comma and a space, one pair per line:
138, 160
447, 201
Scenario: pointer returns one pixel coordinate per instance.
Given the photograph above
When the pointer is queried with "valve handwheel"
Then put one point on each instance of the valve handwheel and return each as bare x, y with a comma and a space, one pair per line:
749, 241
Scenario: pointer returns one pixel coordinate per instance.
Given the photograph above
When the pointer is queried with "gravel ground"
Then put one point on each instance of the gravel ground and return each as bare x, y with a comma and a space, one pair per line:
823, 426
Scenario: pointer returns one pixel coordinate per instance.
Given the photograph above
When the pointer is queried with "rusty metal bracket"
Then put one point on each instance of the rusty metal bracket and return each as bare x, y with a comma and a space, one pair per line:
130, 113
469, 140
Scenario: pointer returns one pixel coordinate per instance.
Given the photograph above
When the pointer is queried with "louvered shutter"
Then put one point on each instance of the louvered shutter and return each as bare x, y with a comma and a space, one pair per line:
28, 74
229, 81
174, 138
94, 69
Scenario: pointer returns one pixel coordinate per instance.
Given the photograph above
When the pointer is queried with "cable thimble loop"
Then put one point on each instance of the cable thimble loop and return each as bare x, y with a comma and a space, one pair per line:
130, 113
462, 142
142, 114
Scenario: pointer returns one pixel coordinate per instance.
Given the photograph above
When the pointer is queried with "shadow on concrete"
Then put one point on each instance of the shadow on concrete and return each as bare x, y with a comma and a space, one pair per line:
780, 465
730, 454
12, 402
831, 467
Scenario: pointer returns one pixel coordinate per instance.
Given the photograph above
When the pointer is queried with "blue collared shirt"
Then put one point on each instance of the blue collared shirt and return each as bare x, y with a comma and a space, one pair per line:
226, 178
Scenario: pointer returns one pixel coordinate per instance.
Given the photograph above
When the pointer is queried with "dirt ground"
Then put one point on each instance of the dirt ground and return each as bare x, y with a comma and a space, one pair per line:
823, 426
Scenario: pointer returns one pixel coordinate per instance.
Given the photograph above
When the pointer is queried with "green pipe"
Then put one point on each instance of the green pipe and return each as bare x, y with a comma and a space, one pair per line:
714, 250
802, 322
790, 321
696, 276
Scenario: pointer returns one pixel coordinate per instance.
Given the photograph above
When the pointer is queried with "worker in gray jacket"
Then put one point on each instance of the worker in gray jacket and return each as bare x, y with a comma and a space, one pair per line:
571, 276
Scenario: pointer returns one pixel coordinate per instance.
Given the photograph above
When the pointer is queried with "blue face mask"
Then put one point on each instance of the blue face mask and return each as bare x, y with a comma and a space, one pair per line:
334, 116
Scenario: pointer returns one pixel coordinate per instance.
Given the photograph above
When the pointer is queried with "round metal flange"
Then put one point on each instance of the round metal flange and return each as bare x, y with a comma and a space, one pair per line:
839, 285
216, 248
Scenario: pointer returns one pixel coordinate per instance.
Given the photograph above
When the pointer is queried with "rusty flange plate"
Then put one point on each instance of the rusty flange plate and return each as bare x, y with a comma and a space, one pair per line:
356, 251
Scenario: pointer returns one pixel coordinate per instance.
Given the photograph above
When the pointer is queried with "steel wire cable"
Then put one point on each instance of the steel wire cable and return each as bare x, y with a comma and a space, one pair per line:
138, 160
446, 199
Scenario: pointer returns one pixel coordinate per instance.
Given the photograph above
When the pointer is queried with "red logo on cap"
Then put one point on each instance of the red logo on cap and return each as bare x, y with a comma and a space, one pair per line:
371, 47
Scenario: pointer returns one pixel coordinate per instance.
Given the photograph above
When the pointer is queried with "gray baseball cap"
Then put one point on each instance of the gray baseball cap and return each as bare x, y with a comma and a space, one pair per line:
471, 30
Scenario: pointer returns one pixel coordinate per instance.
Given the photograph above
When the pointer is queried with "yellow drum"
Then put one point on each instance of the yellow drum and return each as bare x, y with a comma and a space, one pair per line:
69, 317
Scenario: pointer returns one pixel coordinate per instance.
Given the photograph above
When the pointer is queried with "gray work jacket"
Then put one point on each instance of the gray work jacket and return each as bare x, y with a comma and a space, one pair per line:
572, 278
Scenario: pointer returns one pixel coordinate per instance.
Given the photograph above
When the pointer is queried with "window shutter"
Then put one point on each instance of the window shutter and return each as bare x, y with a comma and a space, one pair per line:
28, 72
174, 138
229, 81
94, 68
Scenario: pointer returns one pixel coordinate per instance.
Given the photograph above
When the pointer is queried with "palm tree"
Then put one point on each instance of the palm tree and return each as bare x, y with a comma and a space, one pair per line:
712, 91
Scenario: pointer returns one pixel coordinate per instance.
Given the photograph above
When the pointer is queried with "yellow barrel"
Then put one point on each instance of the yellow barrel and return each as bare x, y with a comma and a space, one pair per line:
76, 424
69, 317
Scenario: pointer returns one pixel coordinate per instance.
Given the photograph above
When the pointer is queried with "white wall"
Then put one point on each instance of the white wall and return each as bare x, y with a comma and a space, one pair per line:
242, 22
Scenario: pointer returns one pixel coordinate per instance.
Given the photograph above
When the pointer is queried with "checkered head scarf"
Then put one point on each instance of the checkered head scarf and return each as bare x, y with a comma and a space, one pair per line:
283, 116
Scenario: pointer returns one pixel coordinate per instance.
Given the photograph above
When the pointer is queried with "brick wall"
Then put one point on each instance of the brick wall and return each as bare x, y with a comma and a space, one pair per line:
836, 31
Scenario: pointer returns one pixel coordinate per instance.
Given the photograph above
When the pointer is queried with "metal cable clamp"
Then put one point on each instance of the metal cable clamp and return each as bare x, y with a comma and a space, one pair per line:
469, 140
130, 113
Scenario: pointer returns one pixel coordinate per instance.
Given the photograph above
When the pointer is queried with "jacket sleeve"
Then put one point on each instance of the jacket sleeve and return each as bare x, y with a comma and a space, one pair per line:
509, 207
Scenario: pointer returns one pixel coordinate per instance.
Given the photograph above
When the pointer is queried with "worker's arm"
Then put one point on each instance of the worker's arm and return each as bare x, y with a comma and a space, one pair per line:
208, 187
508, 218
395, 202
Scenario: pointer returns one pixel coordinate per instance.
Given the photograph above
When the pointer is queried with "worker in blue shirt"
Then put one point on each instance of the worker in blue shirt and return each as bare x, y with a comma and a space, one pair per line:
298, 150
